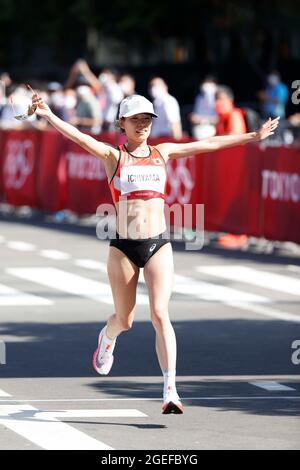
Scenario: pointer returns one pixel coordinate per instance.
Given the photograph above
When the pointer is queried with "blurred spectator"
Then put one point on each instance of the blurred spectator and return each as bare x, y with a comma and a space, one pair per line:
5, 79
294, 127
294, 119
230, 119
81, 74
88, 115
113, 95
56, 98
105, 87
167, 108
204, 116
5, 82
127, 85
70, 101
274, 98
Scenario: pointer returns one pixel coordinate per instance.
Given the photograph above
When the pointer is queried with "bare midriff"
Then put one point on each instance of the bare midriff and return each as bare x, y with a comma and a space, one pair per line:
138, 218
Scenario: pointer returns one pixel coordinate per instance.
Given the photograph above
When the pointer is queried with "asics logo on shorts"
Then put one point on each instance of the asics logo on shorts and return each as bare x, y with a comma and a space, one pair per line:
152, 247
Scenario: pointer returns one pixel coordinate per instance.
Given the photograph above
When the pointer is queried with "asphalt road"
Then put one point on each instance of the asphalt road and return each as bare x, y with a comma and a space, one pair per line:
236, 316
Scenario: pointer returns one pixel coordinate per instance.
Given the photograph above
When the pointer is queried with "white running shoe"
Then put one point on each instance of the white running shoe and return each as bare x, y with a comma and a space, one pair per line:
172, 403
103, 359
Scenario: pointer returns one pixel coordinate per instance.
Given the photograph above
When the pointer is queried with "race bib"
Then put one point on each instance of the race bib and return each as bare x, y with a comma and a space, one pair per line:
142, 178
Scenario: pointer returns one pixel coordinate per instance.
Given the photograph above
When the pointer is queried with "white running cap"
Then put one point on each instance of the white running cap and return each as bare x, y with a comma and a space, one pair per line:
135, 104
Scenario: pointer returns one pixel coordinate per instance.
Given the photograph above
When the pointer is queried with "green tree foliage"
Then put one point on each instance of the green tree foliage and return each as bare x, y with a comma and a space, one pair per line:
61, 23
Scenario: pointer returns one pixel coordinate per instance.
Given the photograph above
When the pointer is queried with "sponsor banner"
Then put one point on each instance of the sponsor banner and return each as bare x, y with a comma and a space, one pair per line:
250, 189
3, 137
231, 190
52, 175
20, 167
280, 194
87, 184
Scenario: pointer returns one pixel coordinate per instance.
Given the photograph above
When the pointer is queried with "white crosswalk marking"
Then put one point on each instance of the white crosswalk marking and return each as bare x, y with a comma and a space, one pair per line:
293, 268
21, 246
229, 296
54, 254
255, 277
208, 291
271, 385
70, 283
13, 297
91, 264
130, 413
46, 431
212, 292
257, 308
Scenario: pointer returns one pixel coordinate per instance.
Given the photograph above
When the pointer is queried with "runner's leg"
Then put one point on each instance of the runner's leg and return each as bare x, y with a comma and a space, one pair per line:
159, 273
123, 276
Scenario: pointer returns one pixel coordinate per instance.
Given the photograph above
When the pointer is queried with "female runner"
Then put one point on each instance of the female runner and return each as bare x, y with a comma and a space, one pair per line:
136, 175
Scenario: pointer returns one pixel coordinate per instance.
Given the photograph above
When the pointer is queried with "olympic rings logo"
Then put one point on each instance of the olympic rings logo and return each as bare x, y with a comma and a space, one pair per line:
181, 180
18, 162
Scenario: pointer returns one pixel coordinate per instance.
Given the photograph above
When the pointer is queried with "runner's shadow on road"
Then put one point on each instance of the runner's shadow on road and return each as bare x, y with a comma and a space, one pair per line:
130, 425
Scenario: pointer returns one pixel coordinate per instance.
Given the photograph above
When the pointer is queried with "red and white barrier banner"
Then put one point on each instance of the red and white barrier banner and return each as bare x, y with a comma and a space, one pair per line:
280, 194
231, 190
248, 189
3, 137
20, 167
52, 175
87, 185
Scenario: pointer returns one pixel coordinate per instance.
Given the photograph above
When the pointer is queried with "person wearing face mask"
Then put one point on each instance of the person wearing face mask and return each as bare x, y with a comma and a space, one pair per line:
275, 96
69, 104
105, 87
167, 108
127, 85
204, 117
88, 114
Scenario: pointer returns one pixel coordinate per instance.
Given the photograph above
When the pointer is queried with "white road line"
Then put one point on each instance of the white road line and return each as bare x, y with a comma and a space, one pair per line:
208, 291
255, 277
21, 246
266, 311
212, 292
54, 254
92, 414
71, 283
228, 296
46, 432
270, 385
91, 264
13, 297
4, 394
293, 268
2, 239
254, 306
87, 400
